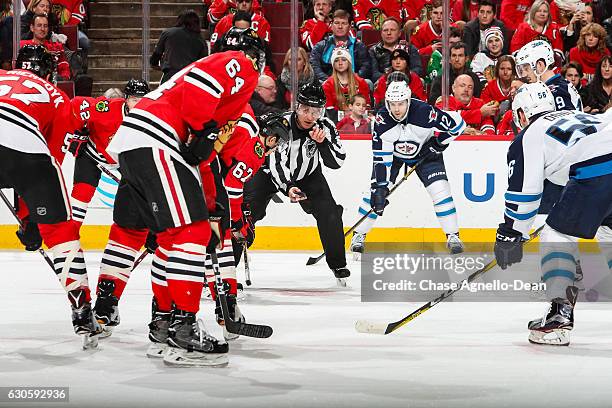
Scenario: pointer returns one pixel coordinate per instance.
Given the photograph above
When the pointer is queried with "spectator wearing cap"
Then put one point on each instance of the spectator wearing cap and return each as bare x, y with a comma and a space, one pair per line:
315, 29
484, 62
590, 50
458, 66
474, 31
399, 63
259, 24
380, 53
320, 57
40, 30
179, 46
474, 111
264, 98
343, 83
538, 24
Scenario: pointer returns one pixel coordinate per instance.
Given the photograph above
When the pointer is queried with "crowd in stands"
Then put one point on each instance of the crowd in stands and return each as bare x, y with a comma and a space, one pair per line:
350, 48
338, 53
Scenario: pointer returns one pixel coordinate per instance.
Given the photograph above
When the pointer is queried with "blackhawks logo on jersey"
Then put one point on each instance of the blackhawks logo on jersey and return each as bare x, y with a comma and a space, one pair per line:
376, 17
259, 150
102, 106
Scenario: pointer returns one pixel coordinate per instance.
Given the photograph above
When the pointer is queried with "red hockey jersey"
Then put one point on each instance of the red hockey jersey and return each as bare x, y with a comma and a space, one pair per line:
369, 14
216, 88
220, 8
102, 117
494, 92
423, 37
312, 31
513, 12
525, 34
69, 12
36, 116
471, 114
330, 92
258, 23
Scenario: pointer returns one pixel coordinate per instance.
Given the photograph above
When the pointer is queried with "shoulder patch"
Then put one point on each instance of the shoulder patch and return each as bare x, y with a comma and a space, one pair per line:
259, 149
102, 106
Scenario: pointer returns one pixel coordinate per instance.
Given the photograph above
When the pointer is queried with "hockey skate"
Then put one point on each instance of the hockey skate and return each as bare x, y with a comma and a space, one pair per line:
454, 244
83, 320
235, 315
190, 345
341, 274
553, 329
106, 309
357, 245
158, 333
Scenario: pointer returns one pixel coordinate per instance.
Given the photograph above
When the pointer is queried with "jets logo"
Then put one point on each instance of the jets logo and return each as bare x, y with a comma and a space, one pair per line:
433, 116
379, 119
102, 106
259, 150
406, 148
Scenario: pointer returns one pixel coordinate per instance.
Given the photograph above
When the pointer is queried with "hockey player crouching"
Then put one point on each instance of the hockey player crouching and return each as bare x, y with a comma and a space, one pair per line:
403, 134
574, 150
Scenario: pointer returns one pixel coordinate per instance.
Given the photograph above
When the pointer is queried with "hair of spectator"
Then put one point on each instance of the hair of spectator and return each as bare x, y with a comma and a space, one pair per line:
308, 71
456, 46
241, 16
33, 22
534, 8
436, 4
35, 3
190, 20
342, 14
489, 3
572, 64
454, 32
598, 79
505, 58
395, 20
353, 87
598, 31
354, 98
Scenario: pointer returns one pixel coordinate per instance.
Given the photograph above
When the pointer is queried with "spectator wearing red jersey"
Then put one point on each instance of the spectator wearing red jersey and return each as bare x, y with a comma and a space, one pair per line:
538, 24
399, 63
71, 12
590, 50
425, 34
513, 12
356, 120
220, 8
259, 24
343, 83
506, 125
380, 53
484, 62
463, 11
315, 29
371, 14
474, 111
474, 31
40, 29
498, 89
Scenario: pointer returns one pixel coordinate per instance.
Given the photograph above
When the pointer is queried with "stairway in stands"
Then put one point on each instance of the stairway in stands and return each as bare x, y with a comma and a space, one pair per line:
116, 38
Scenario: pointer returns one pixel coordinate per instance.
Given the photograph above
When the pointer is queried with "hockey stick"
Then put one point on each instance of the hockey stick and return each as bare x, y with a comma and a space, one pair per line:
366, 326
12, 210
314, 260
247, 269
241, 328
140, 258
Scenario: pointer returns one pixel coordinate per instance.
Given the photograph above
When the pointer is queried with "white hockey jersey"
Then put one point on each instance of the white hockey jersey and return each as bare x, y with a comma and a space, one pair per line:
557, 146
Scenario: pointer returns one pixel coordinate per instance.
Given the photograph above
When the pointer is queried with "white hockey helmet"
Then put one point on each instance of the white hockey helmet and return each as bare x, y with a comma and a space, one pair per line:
398, 91
532, 99
530, 54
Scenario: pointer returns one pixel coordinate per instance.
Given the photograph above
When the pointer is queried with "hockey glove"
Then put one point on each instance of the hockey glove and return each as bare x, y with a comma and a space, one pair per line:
433, 148
508, 246
219, 223
30, 236
242, 230
78, 141
378, 199
201, 144
151, 242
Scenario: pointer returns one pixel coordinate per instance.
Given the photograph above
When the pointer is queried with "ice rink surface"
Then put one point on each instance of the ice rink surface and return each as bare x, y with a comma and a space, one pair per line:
455, 355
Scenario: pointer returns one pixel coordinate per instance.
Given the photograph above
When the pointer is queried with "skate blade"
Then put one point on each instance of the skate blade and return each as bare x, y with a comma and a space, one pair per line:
357, 256
175, 357
90, 341
341, 282
229, 336
107, 331
556, 337
456, 251
157, 350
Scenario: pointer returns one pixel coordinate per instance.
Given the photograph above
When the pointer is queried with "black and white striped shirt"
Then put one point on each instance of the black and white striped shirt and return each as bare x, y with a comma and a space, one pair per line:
302, 156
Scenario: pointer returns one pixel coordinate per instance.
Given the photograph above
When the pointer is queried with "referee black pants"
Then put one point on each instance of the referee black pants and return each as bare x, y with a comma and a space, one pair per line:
320, 203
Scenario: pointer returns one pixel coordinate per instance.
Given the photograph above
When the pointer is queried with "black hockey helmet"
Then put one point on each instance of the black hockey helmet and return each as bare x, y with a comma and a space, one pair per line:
275, 124
36, 59
247, 41
136, 87
311, 95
